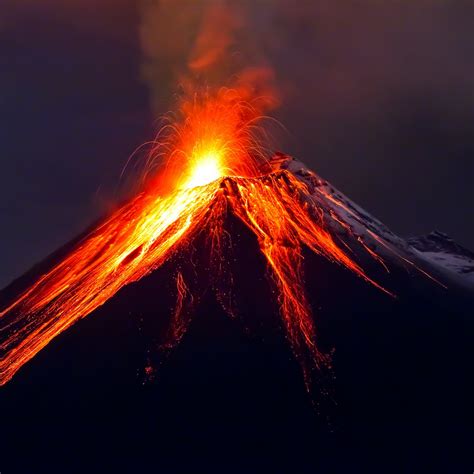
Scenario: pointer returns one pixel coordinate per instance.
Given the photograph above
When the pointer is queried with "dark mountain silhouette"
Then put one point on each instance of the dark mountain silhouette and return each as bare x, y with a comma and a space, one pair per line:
109, 395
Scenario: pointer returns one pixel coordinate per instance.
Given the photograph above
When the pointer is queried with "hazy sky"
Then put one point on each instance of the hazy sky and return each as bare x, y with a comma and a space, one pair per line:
377, 97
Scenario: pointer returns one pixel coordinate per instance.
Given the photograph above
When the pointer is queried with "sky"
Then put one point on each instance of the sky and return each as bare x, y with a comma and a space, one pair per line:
377, 97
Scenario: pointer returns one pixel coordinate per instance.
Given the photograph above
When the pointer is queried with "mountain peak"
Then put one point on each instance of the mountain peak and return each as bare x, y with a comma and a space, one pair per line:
288, 211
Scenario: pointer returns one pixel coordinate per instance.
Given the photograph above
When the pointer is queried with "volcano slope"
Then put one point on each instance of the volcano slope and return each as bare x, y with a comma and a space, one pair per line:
115, 393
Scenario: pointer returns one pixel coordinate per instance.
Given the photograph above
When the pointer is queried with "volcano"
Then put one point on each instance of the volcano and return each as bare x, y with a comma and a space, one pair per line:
255, 324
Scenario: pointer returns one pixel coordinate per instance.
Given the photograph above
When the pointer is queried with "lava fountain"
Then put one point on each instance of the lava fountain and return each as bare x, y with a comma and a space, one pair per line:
211, 161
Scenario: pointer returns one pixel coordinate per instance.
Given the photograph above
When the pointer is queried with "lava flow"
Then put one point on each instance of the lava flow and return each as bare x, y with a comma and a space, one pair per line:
212, 164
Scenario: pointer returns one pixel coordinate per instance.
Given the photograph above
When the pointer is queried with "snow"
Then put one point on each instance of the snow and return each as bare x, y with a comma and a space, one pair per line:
456, 263
436, 249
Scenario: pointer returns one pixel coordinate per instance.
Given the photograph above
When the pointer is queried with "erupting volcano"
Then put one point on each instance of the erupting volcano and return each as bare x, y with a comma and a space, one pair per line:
232, 311
207, 165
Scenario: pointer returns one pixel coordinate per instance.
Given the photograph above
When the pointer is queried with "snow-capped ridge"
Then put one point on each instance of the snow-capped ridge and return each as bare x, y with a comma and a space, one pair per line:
435, 250
443, 251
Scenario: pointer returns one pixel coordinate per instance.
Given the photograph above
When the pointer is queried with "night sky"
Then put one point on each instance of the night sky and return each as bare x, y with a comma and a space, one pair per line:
377, 97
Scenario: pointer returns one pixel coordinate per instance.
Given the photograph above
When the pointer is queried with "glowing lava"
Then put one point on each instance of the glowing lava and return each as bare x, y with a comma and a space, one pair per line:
206, 170
214, 165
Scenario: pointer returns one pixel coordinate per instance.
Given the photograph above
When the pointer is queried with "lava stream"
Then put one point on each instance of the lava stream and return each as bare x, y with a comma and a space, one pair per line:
214, 166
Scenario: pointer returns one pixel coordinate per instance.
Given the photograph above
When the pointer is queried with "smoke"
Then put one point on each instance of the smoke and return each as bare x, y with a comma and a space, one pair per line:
215, 37
188, 44
335, 63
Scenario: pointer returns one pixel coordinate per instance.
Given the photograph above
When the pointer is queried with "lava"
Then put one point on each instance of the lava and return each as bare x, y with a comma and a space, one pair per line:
214, 163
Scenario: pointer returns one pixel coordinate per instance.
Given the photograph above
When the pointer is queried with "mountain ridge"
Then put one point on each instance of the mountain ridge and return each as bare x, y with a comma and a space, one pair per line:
230, 396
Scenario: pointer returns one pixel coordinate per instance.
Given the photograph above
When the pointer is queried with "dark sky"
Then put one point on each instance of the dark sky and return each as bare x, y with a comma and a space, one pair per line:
377, 97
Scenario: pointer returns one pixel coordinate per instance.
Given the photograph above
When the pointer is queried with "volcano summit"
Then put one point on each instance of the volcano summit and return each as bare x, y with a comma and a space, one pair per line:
287, 208
379, 325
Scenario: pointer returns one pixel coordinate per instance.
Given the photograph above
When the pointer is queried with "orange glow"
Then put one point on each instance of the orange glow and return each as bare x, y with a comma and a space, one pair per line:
215, 164
206, 170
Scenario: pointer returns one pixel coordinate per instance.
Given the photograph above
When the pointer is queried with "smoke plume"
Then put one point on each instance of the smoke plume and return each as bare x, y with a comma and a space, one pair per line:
188, 44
